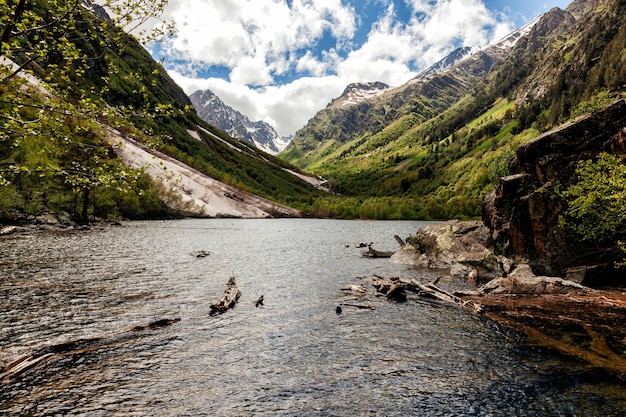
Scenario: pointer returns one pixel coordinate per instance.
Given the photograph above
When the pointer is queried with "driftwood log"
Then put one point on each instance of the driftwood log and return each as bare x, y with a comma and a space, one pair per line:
229, 299
431, 290
586, 325
373, 253
394, 288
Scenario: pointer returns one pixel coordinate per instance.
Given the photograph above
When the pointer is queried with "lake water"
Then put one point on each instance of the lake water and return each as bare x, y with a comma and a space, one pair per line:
293, 356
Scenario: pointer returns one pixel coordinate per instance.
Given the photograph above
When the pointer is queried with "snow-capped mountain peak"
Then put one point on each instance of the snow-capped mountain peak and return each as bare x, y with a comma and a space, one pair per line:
260, 134
448, 61
505, 44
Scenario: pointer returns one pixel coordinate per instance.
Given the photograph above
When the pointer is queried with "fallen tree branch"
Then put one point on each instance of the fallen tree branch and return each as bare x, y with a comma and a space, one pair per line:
387, 286
436, 292
228, 300
373, 253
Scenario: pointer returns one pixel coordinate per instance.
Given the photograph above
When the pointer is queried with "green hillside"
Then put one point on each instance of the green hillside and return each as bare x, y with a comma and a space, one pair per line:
54, 154
443, 143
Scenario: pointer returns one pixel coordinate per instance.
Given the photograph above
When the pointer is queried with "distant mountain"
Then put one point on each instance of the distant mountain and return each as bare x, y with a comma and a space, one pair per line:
421, 98
375, 106
260, 134
356, 93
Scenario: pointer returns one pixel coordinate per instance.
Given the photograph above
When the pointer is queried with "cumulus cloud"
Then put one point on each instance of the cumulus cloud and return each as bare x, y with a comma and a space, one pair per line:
241, 33
285, 60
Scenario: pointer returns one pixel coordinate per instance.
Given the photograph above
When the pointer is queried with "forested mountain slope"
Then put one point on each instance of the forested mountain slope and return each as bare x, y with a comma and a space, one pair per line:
434, 148
88, 78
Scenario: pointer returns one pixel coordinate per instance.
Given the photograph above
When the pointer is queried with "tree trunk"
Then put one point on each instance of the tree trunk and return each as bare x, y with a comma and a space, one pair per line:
17, 16
85, 205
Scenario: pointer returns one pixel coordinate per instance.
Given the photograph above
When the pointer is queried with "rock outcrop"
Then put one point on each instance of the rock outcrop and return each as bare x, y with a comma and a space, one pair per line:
522, 213
463, 248
522, 280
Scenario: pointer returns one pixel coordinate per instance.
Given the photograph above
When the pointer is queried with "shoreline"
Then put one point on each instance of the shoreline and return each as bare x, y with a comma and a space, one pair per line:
586, 324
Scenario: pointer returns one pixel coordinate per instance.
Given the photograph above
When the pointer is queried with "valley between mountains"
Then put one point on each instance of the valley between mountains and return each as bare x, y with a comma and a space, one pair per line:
431, 148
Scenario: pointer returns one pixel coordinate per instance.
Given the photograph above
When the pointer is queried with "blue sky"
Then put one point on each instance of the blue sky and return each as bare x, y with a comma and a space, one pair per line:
283, 60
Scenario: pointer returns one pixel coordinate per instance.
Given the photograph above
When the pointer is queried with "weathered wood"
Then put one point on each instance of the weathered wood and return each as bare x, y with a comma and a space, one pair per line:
357, 289
373, 253
259, 301
436, 292
23, 364
398, 239
595, 318
386, 286
228, 300
43, 357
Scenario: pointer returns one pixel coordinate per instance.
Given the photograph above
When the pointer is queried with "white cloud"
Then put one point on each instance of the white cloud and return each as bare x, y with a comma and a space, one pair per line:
237, 33
259, 41
286, 107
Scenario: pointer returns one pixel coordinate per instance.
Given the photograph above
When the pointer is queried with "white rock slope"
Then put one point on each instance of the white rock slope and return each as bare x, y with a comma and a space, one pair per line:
192, 192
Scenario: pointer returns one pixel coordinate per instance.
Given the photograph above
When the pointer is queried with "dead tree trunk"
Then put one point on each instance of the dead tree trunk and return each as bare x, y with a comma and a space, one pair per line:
373, 253
398, 239
385, 286
436, 292
228, 300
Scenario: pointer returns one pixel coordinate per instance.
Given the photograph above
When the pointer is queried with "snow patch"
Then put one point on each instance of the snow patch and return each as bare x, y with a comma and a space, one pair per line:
317, 182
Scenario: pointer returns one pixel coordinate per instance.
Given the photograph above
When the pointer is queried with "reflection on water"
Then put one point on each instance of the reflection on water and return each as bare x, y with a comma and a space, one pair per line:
292, 356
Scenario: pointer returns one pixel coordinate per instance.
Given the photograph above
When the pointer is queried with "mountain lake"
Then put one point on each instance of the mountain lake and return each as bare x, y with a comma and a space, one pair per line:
115, 321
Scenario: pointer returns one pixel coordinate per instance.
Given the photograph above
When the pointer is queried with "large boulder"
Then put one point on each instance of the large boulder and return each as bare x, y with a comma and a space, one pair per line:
463, 248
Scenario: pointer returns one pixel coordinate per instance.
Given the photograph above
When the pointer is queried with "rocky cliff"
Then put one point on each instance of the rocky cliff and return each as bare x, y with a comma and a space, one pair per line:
523, 211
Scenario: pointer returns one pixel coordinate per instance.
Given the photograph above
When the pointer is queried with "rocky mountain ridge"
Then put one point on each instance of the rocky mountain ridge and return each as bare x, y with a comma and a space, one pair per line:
356, 93
260, 134
448, 61
445, 140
